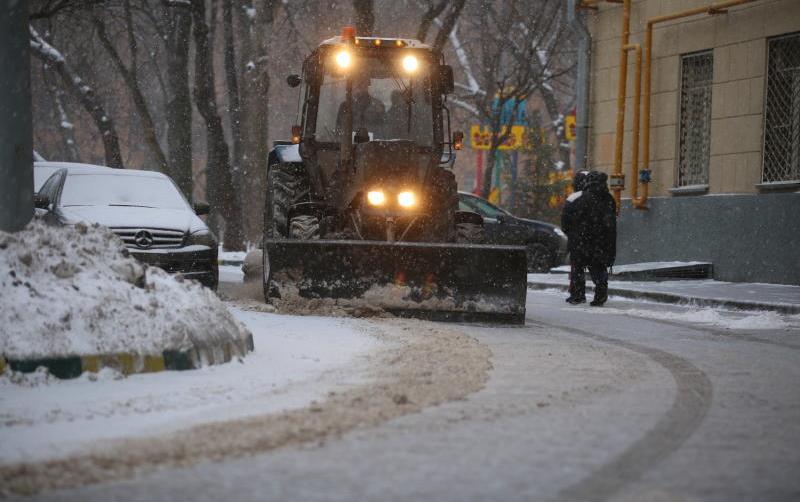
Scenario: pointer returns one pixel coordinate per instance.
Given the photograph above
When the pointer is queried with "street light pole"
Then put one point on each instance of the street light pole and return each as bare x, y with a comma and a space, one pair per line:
16, 130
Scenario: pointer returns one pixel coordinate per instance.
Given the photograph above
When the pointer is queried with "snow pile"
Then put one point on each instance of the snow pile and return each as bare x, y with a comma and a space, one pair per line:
75, 291
728, 320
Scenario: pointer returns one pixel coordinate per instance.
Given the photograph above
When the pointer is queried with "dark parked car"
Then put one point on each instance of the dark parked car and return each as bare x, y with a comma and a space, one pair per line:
546, 243
144, 208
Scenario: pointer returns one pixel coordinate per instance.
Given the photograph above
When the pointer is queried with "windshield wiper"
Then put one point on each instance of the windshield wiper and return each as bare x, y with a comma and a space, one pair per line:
131, 205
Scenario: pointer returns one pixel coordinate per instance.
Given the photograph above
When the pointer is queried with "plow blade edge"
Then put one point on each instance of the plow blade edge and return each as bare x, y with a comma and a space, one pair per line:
437, 281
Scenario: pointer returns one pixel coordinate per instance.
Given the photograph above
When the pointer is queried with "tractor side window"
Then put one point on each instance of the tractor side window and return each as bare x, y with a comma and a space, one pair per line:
332, 94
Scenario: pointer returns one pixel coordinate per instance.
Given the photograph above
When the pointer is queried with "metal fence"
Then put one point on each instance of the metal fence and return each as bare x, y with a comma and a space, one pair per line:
695, 119
782, 120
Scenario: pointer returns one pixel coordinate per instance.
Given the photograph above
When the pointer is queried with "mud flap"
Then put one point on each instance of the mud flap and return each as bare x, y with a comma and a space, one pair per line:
448, 282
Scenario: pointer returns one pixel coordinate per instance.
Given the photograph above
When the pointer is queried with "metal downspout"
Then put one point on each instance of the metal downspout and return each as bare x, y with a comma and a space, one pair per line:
582, 84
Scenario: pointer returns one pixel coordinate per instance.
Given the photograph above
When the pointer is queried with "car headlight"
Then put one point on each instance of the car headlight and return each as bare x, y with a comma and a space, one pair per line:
560, 233
376, 197
202, 238
407, 199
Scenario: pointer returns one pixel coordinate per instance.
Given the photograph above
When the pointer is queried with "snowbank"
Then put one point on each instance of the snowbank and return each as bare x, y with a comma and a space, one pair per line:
75, 291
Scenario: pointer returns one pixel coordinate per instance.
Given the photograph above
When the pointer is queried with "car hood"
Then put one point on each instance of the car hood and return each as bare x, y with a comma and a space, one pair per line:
540, 225
144, 217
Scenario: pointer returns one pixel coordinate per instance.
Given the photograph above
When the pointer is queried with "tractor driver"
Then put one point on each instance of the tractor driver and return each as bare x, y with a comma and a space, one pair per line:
368, 112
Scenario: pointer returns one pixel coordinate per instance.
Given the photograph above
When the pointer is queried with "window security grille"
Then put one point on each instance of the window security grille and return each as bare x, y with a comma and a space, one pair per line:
782, 111
695, 119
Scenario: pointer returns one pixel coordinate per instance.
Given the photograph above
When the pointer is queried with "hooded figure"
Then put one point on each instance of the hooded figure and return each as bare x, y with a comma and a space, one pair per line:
590, 222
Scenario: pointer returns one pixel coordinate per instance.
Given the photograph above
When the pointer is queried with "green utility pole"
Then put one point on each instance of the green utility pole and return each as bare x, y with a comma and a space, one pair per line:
16, 131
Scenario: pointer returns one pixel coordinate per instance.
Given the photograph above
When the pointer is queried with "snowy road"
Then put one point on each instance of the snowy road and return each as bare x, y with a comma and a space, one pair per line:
636, 401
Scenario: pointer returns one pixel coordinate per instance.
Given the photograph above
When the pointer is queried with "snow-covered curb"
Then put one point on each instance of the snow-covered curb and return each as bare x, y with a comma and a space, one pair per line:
75, 292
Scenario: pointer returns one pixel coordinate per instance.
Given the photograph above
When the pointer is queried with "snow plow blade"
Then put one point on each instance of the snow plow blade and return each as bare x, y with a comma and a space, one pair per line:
435, 281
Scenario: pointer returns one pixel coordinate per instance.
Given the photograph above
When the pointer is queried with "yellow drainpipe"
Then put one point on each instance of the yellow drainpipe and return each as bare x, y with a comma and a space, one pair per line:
637, 203
617, 178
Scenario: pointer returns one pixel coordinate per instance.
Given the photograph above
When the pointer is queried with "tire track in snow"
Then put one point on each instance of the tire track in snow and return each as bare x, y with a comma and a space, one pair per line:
691, 404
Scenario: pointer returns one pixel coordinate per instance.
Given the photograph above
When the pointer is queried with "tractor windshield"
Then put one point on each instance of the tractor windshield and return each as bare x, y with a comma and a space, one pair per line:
388, 102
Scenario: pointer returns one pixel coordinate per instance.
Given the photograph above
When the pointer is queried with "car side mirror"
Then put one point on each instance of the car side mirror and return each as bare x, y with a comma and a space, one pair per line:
201, 208
446, 78
293, 80
41, 201
501, 218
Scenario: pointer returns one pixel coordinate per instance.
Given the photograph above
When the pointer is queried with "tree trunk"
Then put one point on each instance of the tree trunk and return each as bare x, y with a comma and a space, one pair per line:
234, 115
365, 17
65, 125
255, 111
219, 185
488, 170
85, 94
179, 103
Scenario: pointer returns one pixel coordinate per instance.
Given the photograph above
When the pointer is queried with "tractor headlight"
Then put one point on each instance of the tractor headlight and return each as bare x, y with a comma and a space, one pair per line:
410, 63
376, 197
407, 199
343, 59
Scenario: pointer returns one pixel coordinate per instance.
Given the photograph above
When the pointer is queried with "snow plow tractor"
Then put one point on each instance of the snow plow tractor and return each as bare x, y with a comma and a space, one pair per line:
361, 206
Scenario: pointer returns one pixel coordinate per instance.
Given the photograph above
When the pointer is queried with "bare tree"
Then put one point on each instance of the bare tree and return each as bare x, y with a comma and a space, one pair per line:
258, 18
65, 126
130, 77
178, 21
516, 46
434, 9
84, 93
219, 185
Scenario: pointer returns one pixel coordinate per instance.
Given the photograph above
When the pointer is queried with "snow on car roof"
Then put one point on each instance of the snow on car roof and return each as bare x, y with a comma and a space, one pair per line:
79, 168
68, 165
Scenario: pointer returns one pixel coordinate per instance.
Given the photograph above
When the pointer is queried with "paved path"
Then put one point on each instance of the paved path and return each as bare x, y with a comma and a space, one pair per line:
581, 404
744, 295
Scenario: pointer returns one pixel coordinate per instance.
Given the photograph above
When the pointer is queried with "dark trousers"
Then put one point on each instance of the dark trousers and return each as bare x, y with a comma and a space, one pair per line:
577, 279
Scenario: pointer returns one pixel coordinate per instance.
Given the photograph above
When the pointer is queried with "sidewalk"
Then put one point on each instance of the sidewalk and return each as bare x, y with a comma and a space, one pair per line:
780, 298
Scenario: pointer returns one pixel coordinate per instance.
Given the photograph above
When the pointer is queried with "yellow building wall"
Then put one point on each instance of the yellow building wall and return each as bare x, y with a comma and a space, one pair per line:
739, 42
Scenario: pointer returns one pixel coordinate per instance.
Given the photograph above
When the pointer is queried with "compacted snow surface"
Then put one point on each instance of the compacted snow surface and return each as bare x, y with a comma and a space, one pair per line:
295, 362
74, 291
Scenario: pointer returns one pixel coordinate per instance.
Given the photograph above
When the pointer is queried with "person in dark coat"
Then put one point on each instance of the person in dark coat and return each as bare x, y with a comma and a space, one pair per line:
590, 221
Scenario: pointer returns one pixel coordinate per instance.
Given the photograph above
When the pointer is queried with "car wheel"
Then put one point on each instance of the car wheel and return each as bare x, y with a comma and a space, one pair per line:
539, 258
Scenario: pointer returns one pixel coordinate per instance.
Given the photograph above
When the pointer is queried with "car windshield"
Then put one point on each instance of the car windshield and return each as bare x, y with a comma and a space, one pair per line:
121, 190
484, 208
387, 101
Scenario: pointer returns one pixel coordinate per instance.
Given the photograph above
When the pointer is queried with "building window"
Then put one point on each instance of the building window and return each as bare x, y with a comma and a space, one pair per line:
782, 111
695, 120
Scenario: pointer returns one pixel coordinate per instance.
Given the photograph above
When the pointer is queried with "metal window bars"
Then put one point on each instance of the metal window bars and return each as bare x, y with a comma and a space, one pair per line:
695, 118
782, 110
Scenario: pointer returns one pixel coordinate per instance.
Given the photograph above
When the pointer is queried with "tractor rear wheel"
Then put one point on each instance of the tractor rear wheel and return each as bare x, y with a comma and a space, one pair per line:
287, 185
304, 227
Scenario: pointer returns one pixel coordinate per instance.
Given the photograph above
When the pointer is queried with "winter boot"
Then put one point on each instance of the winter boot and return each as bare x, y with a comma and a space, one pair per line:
600, 296
576, 300
577, 285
